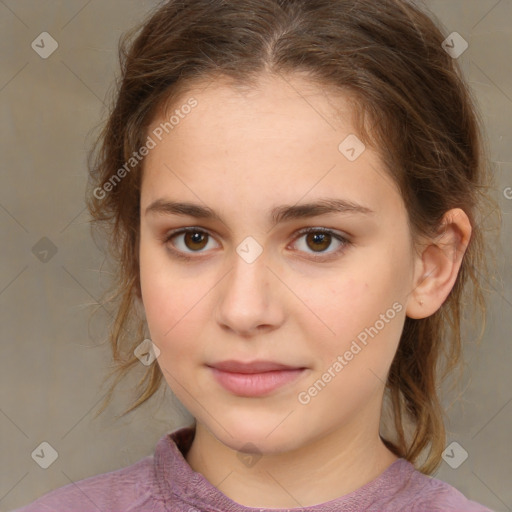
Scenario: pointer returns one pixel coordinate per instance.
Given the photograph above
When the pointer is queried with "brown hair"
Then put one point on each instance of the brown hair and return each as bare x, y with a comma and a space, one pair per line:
411, 104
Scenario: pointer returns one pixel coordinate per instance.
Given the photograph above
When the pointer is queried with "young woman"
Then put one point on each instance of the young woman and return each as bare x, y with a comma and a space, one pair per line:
292, 189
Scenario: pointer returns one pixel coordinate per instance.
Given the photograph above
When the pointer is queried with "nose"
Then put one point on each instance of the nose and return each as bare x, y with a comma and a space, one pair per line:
249, 298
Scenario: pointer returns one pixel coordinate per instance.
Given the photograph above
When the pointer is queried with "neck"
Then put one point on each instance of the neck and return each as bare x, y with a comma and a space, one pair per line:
323, 469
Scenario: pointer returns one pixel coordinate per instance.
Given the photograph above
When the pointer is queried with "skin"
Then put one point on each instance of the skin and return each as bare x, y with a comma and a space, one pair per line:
241, 153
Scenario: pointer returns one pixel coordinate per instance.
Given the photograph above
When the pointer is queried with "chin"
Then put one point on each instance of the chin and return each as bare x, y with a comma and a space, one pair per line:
257, 435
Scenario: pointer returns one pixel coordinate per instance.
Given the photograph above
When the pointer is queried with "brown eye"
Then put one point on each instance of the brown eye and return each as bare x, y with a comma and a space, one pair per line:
188, 241
313, 241
318, 241
195, 240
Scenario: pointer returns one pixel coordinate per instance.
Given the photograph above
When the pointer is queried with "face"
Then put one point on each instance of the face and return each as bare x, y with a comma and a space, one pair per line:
248, 283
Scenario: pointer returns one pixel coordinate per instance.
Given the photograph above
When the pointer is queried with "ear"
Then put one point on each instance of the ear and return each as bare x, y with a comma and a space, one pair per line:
438, 265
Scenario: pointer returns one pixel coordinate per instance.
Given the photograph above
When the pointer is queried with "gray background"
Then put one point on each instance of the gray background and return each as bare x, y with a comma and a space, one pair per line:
52, 356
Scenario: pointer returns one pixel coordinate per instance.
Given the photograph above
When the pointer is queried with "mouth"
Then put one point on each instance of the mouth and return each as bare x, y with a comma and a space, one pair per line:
254, 379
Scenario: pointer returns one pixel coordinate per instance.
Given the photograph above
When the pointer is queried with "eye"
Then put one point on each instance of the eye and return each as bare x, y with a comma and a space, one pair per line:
320, 239
194, 240
191, 238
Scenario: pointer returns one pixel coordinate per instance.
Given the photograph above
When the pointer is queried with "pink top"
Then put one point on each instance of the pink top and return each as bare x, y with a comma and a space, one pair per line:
165, 482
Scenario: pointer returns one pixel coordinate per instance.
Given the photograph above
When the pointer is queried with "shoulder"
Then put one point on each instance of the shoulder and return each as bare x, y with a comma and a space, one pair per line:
428, 494
127, 489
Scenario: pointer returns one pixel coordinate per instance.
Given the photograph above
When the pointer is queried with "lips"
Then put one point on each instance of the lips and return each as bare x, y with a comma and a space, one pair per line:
255, 379
252, 367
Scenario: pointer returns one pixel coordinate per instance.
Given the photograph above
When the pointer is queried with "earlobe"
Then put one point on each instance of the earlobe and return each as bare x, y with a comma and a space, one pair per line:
438, 265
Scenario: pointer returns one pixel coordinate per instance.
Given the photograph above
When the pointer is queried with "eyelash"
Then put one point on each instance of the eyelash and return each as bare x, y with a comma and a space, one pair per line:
322, 231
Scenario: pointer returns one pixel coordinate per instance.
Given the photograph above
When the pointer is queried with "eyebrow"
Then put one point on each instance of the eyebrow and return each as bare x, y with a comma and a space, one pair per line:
278, 214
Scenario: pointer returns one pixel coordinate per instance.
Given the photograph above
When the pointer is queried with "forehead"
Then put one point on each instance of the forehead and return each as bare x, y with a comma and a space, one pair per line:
282, 136
270, 96
287, 118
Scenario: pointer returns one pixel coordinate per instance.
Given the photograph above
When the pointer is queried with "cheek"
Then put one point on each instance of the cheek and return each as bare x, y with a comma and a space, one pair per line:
176, 307
171, 312
163, 295
349, 303
352, 362
360, 316
173, 325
